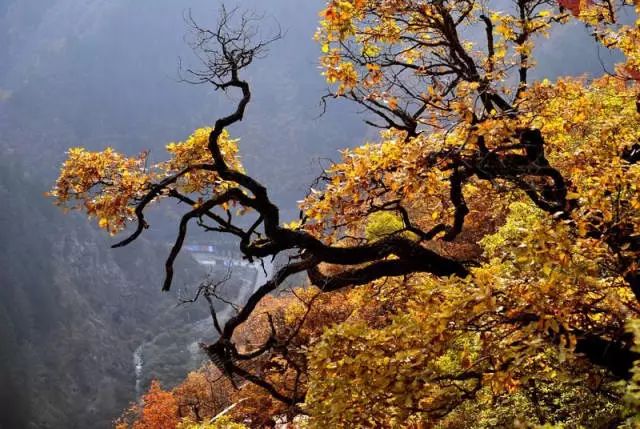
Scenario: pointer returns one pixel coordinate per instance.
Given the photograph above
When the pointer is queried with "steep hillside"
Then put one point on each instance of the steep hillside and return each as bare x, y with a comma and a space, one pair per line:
72, 312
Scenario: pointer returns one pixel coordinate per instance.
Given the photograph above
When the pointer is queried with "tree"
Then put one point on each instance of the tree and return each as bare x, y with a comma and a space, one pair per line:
493, 230
159, 411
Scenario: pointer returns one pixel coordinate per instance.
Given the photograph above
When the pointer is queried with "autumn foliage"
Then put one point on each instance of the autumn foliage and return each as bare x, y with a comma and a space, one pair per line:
474, 265
159, 410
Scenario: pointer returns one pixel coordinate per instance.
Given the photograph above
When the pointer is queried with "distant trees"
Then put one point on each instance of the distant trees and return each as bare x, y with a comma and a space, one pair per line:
493, 230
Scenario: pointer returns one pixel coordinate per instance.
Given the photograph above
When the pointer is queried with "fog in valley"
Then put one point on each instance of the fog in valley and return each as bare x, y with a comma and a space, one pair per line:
84, 328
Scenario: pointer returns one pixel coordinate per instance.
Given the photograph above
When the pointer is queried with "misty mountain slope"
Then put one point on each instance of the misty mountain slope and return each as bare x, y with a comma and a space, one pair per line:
73, 311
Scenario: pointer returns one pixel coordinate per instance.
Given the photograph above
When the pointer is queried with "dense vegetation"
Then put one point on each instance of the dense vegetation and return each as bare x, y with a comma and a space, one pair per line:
476, 266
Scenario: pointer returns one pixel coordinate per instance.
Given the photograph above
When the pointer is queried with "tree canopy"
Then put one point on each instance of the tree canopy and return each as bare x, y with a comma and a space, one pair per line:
478, 265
